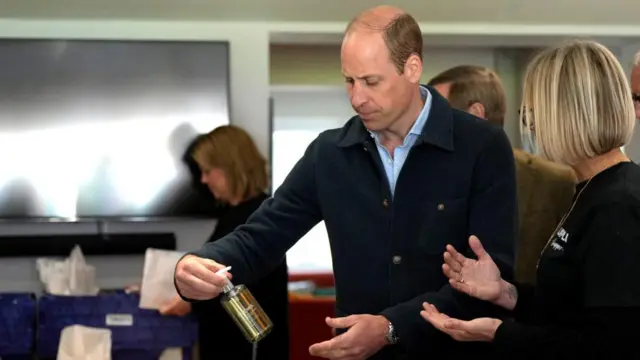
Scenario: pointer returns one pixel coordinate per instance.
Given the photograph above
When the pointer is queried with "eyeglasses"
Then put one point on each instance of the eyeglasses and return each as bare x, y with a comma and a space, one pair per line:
523, 117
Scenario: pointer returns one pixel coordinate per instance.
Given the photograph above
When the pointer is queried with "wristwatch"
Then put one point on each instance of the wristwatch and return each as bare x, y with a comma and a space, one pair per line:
392, 337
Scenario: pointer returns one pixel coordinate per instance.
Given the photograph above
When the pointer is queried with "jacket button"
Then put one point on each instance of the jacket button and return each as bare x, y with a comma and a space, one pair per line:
385, 202
397, 260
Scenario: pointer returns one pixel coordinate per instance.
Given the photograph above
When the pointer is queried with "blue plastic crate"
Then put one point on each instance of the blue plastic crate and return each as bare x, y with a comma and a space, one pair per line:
133, 330
17, 324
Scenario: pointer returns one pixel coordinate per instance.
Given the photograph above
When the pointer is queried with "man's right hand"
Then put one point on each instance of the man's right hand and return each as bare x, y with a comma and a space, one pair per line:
196, 278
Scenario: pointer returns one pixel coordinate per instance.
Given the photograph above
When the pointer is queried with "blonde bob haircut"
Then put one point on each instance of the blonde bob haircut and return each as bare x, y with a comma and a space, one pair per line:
231, 149
577, 101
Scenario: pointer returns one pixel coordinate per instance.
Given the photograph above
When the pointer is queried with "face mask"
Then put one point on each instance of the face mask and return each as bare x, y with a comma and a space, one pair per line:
529, 143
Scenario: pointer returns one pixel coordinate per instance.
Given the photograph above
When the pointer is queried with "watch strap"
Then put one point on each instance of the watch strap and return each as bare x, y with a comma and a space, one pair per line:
392, 337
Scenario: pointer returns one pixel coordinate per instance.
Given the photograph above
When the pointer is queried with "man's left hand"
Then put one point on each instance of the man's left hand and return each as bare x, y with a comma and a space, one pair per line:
365, 336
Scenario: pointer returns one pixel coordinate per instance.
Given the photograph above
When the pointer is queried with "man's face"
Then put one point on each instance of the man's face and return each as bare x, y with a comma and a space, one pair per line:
635, 88
377, 92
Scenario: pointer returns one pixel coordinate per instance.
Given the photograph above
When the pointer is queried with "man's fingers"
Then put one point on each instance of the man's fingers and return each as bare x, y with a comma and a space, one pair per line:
341, 322
205, 273
325, 348
214, 266
338, 347
196, 289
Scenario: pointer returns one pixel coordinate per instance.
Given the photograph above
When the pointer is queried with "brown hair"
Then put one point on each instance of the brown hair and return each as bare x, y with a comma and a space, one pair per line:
402, 35
475, 84
231, 149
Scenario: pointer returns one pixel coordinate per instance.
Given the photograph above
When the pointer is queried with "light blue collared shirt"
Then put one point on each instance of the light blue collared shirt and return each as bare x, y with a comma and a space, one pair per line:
393, 162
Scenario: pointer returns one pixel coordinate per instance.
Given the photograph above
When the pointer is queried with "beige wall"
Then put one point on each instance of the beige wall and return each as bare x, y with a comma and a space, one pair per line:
305, 65
320, 65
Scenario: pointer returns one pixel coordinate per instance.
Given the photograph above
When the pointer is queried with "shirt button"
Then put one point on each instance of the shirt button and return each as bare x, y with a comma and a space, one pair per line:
385, 203
397, 260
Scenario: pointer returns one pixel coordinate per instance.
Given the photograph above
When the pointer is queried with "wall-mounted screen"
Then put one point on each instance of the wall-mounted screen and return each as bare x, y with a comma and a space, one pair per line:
100, 128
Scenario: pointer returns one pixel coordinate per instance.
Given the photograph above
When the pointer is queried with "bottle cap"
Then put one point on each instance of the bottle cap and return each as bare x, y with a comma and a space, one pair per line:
223, 272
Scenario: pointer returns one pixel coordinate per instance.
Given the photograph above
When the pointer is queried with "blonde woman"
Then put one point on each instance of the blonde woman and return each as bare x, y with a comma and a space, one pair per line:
236, 174
586, 303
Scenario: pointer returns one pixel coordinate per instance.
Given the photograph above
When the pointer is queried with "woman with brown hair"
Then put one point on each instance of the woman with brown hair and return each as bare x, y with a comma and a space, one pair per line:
236, 173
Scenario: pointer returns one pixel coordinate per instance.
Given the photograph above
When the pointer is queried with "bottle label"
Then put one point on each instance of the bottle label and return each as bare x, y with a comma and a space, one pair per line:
119, 320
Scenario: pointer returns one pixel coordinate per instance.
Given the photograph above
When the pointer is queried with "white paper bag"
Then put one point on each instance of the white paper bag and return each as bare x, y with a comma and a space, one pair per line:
172, 354
72, 276
79, 342
82, 277
157, 287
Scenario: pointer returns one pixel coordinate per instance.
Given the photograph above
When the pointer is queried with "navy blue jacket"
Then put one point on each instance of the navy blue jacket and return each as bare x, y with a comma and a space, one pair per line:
458, 180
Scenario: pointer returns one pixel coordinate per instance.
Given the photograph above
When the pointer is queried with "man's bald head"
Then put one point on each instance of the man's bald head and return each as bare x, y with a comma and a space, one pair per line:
399, 30
381, 59
377, 18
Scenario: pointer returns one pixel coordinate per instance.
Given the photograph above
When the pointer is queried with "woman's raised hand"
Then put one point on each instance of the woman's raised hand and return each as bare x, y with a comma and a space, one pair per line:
478, 278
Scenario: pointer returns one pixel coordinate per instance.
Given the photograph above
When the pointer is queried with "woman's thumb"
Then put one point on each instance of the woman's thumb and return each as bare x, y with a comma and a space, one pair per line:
477, 248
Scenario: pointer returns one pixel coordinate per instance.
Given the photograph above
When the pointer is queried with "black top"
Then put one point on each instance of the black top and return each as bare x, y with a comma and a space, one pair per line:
458, 180
587, 299
220, 338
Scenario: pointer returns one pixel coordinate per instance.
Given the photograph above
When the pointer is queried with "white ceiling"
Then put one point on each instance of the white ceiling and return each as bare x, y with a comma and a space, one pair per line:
596, 12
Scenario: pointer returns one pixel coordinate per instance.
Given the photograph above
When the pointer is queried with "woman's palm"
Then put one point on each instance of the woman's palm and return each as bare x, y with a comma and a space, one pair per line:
478, 278
482, 278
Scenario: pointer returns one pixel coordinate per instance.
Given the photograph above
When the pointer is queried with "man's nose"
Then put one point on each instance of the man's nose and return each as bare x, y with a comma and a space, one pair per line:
358, 97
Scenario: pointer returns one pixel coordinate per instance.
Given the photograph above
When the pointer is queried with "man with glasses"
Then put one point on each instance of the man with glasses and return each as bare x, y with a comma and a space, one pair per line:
545, 189
635, 84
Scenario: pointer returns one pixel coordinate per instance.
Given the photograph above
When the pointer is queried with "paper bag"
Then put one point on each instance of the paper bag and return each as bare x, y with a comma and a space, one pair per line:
157, 287
79, 342
82, 277
171, 354
72, 276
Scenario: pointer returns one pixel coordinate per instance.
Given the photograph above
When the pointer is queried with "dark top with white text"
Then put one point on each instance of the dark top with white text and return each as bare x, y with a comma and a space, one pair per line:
587, 299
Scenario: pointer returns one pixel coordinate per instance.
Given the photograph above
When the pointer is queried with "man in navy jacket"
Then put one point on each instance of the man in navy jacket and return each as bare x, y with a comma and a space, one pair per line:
395, 185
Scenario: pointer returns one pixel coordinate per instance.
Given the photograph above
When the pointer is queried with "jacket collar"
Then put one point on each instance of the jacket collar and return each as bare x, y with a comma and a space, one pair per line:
437, 131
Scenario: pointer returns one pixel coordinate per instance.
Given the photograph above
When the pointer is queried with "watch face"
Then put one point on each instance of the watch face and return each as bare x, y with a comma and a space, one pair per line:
392, 338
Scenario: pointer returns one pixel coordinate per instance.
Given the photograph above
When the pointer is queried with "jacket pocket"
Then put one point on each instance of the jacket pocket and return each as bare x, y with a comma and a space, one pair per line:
443, 222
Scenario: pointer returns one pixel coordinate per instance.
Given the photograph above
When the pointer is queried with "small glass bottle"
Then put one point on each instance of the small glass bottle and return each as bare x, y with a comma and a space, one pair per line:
245, 311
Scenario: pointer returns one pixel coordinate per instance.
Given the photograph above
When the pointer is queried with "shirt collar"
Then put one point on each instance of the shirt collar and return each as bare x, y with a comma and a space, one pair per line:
418, 125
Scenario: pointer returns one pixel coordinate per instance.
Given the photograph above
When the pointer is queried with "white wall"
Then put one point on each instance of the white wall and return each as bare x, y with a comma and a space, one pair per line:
249, 63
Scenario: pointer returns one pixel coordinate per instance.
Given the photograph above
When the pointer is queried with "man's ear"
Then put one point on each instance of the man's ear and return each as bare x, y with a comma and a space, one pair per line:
477, 109
413, 69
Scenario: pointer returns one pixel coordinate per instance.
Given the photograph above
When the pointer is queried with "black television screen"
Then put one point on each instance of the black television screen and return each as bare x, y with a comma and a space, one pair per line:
100, 128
